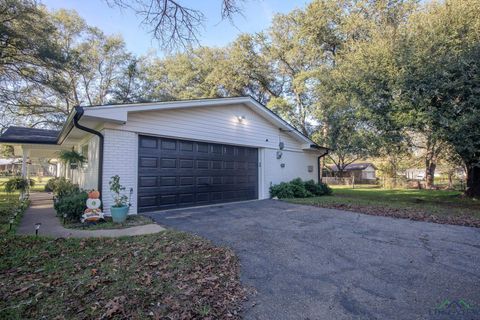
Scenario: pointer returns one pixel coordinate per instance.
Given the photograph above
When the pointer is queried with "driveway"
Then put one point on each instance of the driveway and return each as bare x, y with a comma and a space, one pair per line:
315, 263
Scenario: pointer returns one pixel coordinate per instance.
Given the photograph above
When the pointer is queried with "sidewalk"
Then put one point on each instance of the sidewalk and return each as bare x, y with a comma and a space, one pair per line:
41, 211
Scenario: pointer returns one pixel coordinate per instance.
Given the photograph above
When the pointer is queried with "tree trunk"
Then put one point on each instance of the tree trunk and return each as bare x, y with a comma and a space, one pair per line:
473, 181
431, 162
450, 180
430, 173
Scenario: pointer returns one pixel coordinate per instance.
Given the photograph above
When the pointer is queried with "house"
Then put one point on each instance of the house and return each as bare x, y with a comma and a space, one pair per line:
178, 153
12, 166
360, 171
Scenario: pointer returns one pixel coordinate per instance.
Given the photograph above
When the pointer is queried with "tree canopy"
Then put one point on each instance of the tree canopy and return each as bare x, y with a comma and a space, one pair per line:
365, 78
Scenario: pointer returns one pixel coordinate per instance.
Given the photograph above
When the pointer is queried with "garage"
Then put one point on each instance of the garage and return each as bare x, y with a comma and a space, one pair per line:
175, 173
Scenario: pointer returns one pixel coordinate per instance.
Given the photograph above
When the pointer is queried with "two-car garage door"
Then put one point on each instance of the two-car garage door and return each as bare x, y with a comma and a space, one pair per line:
179, 173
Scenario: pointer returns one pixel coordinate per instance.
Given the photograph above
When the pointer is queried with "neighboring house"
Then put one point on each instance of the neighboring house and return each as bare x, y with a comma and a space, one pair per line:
179, 153
359, 171
10, 165
416, 174
13, 166
419, 173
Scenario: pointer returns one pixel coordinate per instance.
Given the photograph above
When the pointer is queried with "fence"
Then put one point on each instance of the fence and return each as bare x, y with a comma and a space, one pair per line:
338, 181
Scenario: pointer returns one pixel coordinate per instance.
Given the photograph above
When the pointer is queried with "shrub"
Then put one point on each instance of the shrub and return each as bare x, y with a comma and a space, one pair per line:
282, 190
18, 184
70, 199
317, 189
50, 185
61, 187
297, 188
73, 205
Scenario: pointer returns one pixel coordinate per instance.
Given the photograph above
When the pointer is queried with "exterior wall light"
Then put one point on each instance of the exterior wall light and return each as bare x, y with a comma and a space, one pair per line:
240, 118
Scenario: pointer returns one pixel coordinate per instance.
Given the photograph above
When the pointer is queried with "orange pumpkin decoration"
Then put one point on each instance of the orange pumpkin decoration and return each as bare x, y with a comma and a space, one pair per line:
94, 194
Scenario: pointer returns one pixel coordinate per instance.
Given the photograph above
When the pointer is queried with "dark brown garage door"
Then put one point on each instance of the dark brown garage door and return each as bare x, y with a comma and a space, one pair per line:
178, 173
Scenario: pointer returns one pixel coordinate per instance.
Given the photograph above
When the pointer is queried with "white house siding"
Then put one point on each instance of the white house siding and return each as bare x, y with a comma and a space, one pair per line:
214, 124
120, 157
368, 173
296, 166
87, 176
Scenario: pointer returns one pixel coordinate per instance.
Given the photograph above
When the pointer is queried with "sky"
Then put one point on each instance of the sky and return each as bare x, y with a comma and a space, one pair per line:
257, 15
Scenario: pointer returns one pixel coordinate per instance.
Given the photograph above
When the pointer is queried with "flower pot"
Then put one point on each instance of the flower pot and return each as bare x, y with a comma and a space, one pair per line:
73, 165
119, 214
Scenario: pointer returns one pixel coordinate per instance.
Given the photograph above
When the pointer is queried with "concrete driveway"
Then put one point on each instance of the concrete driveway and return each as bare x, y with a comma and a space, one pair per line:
315, 263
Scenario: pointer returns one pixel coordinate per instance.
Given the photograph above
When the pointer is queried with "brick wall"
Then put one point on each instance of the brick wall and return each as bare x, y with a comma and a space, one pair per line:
120, 157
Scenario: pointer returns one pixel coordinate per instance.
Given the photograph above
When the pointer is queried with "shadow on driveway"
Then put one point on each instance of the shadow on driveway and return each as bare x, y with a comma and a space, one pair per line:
316, 263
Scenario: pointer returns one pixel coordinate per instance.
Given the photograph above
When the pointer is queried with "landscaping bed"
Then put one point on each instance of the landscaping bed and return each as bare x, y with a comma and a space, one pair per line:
170, 275
107, 223
11, 210
439, 206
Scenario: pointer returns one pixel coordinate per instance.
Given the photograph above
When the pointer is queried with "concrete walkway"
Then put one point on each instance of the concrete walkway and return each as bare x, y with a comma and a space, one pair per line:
41, 211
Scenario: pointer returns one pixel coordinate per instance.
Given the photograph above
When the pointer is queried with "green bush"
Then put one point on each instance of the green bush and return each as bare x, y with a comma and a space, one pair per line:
282, 190
69, 198
73, 205
50, 185
61, 187
297, 188
317, 189
18, 184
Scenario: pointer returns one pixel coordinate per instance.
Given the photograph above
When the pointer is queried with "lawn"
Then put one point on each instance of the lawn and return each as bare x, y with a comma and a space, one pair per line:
10, 212
441, 206
38, 187
168, 275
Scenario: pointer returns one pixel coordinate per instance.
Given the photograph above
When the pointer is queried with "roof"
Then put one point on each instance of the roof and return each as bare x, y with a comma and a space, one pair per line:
29, 135
104, 112
354, 166
121, 112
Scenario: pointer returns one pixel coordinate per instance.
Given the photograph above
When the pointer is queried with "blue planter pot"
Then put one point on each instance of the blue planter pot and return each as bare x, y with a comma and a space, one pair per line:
119, 214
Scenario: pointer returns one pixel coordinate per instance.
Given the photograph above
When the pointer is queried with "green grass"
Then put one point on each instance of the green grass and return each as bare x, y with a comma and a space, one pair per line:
441, 203
132, 221
38, 187
10, 210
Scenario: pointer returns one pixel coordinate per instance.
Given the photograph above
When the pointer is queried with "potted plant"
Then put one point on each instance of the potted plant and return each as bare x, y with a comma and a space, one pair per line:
119, 209
72, 157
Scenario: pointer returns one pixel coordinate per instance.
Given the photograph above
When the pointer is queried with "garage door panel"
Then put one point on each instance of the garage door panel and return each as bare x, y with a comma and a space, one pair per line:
147, 162
167, 144
147, 181
179, 173
148, 142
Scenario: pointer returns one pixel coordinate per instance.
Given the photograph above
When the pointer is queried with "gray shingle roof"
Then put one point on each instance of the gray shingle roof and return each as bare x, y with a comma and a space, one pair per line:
29, 135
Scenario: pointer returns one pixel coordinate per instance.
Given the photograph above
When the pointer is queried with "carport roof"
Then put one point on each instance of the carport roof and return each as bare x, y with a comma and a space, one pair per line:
29, 135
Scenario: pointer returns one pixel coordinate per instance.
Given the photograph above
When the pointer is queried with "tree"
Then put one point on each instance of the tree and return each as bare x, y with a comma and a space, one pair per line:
439, 52
53, 61
27, 51
173, 24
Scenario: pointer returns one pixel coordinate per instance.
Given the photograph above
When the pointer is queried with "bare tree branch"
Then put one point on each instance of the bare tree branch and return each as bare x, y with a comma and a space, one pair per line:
171, 23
